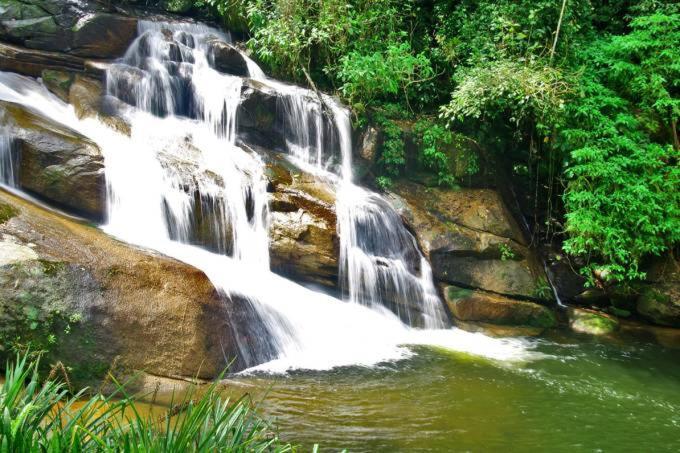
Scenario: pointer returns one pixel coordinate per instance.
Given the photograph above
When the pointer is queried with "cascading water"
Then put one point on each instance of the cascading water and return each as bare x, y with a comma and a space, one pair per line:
8, 161
380, 259
180, 185
380, 262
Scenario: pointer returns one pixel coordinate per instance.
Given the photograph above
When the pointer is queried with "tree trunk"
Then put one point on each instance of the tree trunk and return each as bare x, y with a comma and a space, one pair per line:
557, 31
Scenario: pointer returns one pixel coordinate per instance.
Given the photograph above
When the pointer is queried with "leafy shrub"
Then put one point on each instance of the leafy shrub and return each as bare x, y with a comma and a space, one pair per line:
434, 139
393, 156
43, 416
522, 93
622, 200
506, 252
384, 74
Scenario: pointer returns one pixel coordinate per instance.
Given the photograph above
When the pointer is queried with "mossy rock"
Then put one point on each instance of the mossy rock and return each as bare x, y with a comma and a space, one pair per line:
58, 82
37, 304
7, 212
482, 307
661, 304
592, 322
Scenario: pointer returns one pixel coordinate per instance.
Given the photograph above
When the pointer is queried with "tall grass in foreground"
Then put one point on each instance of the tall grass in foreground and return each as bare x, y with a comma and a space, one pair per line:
42, 416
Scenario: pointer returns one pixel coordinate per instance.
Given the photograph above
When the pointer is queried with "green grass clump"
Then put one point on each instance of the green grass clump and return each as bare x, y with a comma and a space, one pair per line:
7, 212
43, 416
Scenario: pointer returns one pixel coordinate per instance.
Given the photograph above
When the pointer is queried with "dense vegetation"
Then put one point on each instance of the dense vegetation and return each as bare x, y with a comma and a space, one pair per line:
578, 100
42, 415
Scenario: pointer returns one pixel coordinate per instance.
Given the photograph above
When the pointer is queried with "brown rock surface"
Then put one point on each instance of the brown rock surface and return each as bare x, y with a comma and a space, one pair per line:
150, 312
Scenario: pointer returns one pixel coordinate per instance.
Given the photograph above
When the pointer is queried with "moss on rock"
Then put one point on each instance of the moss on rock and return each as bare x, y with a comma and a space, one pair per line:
661, 304
592, 322
7, 212
482, 307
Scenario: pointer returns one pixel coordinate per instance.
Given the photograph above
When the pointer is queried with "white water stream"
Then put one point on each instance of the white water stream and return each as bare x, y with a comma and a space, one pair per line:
181, 157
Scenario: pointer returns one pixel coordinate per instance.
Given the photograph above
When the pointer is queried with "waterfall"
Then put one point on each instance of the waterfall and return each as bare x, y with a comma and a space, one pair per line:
180, 185
380, 261
9, 169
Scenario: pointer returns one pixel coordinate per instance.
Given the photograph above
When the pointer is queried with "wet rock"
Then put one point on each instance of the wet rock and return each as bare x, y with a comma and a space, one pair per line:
103, 35
256, 116
123, 306
58, 82
86, 96
34, 62
84, 29
477, 209
660, 304
498, 331
471, 239
365, 154
482, 307
668, 337
592, 322
303, 238
513, 278
368, 144
56, 163
227, 58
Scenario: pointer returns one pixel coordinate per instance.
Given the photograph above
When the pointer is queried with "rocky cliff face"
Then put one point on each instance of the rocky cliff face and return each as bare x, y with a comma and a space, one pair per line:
485, 270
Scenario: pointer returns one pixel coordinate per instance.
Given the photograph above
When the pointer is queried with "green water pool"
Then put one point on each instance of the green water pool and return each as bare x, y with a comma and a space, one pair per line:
587, 394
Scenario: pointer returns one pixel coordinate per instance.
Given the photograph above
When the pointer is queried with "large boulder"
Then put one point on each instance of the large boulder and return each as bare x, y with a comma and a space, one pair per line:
103, 35
56, 163
84, 29
227, 59
96, 302
483, 307
471, 239
660, 304
592, 322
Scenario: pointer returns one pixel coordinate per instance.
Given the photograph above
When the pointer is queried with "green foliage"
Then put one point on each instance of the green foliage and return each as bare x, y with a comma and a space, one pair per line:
644, 67
519, 92
506, 252
609, 117
178, 6
434, 140
6, 212
475, 32
382, 75
392, 158
384, 182
35, 317
543, 289
367, 48
622, 200
43, 416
